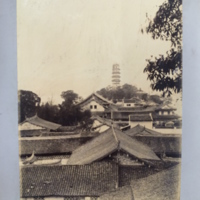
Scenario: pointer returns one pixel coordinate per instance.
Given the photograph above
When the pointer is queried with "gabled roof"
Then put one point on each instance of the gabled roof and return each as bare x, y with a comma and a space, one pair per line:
85, 180
141, 130
165, 107
98, 97
35, 120
140, 117
108, 142
104, 121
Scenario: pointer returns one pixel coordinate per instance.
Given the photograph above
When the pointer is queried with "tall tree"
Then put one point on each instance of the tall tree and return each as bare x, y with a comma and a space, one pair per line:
28, 104
165, 72
69, 113
49, 112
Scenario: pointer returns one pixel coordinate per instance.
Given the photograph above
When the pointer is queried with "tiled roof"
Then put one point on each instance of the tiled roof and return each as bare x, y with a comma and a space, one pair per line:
122, 193
163, 185
141, 130
50, 145
170, 144
134, 147
164, 117
97, 96
165, 107
141, 109
133, 100
85, 180
104, 121
35, 120
120, 116
158, 142
107, 143
140, 117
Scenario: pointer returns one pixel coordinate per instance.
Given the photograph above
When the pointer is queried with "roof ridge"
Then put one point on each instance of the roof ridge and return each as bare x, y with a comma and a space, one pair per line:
113, 131
33, 117
103, 98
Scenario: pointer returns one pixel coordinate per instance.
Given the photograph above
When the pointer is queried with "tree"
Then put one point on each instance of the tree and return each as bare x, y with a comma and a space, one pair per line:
28, 104
156, 99
129, 90
125, 91
69, 97
49, 112
70, 113
165, 72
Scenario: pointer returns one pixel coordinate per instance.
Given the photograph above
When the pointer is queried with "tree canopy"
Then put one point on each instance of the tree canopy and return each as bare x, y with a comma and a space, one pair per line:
49, 112
67, 113
28, 104
126, 91
165, 72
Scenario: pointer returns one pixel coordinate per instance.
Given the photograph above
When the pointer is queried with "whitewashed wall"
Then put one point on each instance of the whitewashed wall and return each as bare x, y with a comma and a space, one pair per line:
93, 103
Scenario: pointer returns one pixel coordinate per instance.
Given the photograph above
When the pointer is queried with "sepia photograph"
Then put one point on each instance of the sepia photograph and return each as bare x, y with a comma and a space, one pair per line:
99, 99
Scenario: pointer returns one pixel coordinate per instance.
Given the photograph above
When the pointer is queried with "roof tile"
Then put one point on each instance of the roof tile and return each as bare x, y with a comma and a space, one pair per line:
68, 180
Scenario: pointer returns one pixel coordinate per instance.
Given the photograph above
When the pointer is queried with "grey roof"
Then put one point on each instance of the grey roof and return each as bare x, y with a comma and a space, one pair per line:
170, 144
165, 107
157, 117
124, 193
162, 185
98, 97
140, 117
141, 109
35, 120
141, 130
158, 142
86, 180
107, 143
104, 121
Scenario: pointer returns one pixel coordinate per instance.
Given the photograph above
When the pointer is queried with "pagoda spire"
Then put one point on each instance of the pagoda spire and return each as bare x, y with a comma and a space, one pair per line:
115, 76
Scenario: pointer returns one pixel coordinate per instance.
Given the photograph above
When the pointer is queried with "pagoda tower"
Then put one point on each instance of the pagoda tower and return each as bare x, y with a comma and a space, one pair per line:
116, 76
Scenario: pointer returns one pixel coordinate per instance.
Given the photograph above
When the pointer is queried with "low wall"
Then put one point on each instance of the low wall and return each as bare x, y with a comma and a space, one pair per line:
44, 146
35, 133
170, 145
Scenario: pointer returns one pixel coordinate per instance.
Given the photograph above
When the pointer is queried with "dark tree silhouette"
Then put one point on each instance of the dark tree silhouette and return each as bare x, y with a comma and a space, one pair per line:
28, 104
69, 113
49, 112
165, 72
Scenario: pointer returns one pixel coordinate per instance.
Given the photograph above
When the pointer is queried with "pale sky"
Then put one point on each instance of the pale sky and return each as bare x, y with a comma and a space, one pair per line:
72, 44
